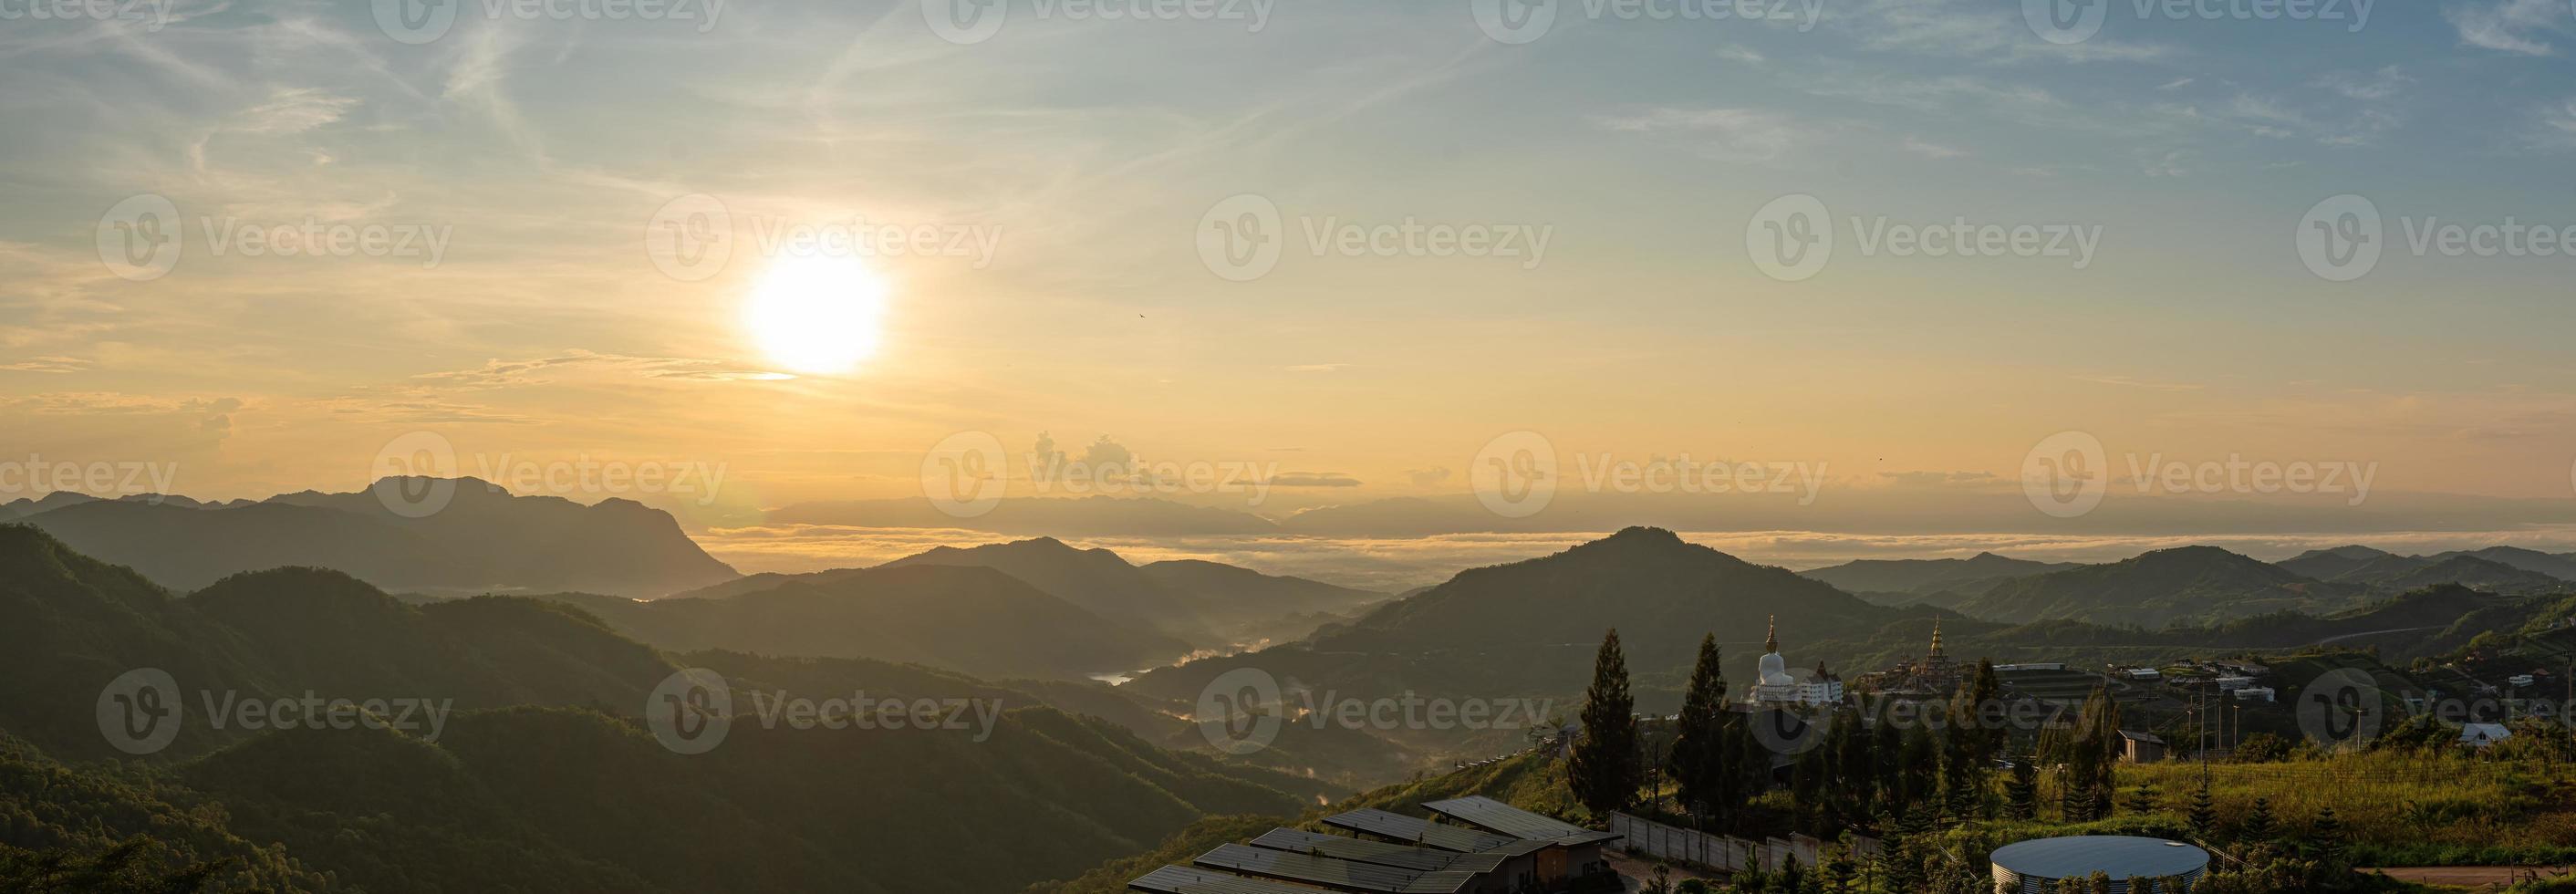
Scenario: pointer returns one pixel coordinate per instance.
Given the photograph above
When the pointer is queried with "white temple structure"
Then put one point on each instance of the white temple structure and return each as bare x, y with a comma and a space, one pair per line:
1777, 686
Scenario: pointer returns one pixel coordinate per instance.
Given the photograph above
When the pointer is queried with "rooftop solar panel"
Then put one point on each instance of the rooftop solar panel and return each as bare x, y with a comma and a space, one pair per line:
1416, 830
1332, 873
1188, 880
1360, 850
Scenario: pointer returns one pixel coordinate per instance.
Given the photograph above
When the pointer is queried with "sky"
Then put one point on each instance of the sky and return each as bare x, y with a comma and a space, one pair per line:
1351, 252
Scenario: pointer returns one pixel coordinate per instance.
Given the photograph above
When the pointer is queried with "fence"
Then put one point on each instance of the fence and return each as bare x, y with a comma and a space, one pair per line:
1675, 844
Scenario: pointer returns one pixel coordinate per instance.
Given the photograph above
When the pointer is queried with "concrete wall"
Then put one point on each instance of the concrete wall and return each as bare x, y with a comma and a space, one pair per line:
1726, 852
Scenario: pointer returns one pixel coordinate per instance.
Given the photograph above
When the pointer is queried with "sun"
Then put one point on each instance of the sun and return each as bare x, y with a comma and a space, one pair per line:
817, 315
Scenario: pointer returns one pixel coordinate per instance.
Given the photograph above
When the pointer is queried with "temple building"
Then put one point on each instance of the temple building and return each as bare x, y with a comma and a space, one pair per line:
1936, 676
1776, 686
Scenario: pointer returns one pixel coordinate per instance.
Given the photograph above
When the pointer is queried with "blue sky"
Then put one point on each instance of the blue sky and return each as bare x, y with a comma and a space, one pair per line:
542, 146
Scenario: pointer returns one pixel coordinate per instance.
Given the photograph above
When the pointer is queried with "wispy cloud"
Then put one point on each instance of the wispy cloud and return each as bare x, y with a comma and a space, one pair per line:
1729, 133
2512, 26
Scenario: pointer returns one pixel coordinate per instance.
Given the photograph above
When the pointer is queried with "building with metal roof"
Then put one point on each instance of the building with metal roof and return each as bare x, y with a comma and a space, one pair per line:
1360, 850
1504, 819
1397, 827
2038, 864
1491, 848
1326, 872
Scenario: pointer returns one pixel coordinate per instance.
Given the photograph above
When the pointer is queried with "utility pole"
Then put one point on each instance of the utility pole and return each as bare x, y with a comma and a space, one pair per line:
2200, 737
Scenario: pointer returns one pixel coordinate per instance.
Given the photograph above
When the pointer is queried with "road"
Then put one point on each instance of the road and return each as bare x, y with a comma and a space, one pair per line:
2335, 639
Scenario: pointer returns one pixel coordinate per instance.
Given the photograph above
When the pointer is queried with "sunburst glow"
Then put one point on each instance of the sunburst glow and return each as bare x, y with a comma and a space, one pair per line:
817, 315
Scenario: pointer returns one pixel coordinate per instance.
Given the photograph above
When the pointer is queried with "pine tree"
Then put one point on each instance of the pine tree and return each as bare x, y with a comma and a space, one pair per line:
2204, 817
1791, 880
2142, 800
2259, 826
2022, 793
1904, 867
1856, 770
1839, 869
1605, 769
1751, 878
2330, 841
1698, 750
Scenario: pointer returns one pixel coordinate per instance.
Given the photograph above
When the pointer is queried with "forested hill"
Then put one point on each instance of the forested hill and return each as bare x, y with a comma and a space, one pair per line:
543, 778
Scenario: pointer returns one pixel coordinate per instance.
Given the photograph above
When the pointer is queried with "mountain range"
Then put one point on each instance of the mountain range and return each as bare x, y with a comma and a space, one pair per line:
1198, 605
1937, 581
506, 795
482, 539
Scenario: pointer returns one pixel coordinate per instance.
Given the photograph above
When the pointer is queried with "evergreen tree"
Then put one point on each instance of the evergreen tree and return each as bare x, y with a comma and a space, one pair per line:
2259, 826
2204, 817
2022, 793
2331, 845
1698, 749
1751, 878
1856, 769
1904, 867
1605, 769
1662, 883
2142, 800
1917, 768
1840, 869
1791, 879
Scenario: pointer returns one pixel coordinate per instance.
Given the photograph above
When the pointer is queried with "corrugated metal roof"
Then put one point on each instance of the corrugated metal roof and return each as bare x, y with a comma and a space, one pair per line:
1332, 873
1344, 847
1187, 880
1496, 816
1416, 830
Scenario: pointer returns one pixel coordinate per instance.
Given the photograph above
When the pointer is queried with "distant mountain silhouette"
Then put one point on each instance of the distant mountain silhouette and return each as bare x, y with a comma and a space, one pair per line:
2557, 565
1209, 605
1247, 605
1531, 627
2191, 583
1096, 516
1923, 577
1098, 580
2405, 573
971, 619
2328, 564
483, 539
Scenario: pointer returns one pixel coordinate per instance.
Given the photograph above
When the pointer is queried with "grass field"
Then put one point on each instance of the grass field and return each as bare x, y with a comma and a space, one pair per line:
2399, 809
